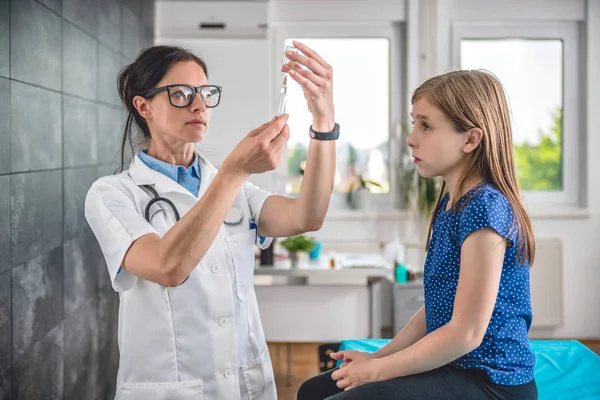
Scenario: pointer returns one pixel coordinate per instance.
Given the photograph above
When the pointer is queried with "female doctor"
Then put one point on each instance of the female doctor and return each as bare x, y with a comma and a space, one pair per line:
189, 326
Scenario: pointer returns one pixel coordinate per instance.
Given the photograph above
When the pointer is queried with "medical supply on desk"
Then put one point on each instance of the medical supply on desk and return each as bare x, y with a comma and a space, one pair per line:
283, 89
315, 253
400, 273
331, 257
267, 255
357, 260
394, 252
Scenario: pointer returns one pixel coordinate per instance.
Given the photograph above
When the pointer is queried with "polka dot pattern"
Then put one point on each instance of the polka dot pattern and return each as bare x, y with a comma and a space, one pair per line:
504, 353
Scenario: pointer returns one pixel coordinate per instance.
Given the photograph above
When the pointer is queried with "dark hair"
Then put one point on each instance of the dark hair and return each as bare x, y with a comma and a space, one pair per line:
142, 75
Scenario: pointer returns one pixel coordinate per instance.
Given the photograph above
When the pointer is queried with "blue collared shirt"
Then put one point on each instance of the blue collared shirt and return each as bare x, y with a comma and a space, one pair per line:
189, 178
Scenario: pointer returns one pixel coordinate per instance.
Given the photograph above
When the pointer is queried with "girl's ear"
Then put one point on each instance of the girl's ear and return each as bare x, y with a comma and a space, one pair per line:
472, 139
143, 107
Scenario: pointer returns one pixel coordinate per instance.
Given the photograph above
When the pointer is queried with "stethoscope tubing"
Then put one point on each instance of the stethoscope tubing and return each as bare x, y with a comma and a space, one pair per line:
158, 198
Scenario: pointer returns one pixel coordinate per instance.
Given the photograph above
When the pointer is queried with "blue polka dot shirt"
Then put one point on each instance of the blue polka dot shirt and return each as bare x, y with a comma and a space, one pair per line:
504, 353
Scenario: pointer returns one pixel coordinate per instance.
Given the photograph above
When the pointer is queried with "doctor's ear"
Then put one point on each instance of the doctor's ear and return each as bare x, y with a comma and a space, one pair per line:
472, 139
142, 106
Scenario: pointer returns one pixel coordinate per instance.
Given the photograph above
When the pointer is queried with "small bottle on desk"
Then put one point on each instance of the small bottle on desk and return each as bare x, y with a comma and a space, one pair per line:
266, 255
400, 273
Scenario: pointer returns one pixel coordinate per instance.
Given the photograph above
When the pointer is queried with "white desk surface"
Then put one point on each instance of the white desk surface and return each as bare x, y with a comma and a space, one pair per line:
318, 272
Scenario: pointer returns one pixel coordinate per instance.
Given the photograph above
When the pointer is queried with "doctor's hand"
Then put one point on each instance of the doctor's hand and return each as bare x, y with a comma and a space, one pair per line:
317, 83
358, 368
261, 150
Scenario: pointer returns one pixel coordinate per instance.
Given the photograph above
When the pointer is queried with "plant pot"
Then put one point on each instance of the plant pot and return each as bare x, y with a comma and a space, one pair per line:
298, 258
361, 198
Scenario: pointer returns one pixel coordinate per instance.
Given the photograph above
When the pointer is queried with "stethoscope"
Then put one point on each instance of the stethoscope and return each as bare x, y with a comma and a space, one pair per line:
234, 216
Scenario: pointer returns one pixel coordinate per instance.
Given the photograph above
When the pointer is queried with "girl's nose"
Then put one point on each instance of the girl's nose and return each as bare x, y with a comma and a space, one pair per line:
410, 140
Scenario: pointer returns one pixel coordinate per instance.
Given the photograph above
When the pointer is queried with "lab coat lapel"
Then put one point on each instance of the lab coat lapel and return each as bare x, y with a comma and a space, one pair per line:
207, 174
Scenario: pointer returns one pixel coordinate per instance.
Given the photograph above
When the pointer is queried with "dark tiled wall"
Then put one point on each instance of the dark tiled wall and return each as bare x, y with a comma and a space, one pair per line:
60, 125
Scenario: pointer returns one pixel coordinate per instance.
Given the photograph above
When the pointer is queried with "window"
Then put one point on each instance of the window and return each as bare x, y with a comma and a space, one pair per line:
366, 99
532, 77
537, 66
362, 108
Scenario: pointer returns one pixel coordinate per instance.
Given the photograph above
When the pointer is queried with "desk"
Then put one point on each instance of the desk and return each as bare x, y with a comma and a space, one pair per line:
318, 304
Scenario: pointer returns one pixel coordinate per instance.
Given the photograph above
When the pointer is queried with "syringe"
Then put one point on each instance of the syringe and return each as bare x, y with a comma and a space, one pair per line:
283, 90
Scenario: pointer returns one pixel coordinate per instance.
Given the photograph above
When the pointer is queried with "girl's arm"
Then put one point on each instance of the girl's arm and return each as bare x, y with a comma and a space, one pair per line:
482, 257
414, 331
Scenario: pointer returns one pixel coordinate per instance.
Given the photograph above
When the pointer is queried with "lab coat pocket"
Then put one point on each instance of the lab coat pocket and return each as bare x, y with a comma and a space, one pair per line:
258, 375
241, 247
186, 390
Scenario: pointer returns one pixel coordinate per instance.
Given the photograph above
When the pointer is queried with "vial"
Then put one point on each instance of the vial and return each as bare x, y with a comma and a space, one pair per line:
283, 89
287, 60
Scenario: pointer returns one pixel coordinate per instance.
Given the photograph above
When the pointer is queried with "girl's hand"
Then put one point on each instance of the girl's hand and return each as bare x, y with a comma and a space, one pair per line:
339, 356
261, 150
358, 368
316, 82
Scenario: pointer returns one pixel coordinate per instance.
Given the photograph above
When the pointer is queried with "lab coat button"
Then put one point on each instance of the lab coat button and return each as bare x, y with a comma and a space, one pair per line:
223, 321
228, 373
215, 269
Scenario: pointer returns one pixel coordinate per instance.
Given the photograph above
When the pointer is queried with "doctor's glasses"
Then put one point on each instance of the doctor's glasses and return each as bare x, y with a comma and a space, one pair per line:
182, 95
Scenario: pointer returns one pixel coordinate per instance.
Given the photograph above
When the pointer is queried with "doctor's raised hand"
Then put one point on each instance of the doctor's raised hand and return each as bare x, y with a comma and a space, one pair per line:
178, 235
317, 84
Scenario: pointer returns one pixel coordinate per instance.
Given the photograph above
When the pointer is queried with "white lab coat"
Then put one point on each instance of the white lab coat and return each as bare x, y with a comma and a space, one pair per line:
204, 338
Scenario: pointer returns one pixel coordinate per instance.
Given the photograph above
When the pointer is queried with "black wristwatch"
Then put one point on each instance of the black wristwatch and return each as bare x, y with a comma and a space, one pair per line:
333, 135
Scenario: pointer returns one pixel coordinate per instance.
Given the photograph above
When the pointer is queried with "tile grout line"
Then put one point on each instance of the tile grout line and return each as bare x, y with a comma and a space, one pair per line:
10, 229
75, 96
62, 194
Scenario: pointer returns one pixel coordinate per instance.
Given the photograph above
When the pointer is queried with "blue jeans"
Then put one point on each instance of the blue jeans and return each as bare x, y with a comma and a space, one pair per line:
442, 383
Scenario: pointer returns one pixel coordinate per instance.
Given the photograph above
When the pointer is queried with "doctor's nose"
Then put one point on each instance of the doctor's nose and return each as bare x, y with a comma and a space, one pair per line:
198, 103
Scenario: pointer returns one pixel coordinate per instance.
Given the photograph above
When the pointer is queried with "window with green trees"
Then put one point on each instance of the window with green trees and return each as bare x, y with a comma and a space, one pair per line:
531, 71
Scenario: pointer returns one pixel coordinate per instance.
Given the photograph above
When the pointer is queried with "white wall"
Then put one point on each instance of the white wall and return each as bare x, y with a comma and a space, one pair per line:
293, 11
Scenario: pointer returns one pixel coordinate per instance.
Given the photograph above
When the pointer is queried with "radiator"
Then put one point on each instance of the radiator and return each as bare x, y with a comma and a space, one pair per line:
546, 284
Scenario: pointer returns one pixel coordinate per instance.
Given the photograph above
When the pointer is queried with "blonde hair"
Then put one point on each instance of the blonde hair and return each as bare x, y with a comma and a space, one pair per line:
476, 99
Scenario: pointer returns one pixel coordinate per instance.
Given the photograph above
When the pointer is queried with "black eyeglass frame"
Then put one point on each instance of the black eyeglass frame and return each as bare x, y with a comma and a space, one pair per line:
195, 89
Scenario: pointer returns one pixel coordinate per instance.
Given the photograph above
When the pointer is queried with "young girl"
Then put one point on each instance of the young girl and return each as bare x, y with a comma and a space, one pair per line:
470, 340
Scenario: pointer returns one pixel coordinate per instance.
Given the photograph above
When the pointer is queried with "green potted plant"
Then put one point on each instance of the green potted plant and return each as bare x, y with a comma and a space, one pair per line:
420, 194
359, 192
298, 248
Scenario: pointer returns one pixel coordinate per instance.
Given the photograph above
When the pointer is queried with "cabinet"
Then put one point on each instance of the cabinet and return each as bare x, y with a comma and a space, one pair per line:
408, 299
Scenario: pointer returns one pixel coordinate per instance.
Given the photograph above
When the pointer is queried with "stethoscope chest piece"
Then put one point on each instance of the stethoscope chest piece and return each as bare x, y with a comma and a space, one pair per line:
234, 216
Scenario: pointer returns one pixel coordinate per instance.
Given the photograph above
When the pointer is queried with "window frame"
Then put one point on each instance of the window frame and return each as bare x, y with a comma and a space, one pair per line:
345, 30
572, 154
